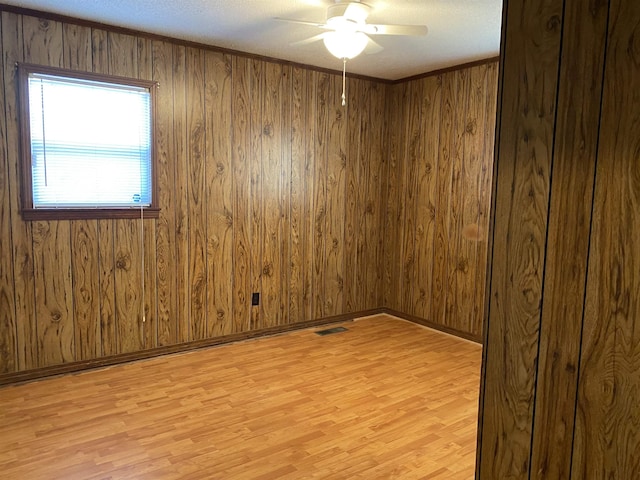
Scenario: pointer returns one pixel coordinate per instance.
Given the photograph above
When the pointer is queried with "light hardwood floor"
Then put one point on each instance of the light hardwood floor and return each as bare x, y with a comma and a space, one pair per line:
385, 399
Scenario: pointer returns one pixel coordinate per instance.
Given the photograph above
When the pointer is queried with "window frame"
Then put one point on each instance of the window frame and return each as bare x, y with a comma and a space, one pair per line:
27, 210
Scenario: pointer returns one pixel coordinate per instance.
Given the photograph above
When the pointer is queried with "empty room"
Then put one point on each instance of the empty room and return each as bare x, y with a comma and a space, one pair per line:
319, 239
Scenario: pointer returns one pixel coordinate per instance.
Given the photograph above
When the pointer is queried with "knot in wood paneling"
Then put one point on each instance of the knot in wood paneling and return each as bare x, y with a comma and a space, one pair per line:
220, 314
220, 168
463, 265
268, 130
369, 208
122, 262
56, 316
268, 269
432, 211
471, 127
554, 24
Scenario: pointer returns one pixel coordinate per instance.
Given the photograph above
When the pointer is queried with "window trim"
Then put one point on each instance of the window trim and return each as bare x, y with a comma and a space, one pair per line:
27, 210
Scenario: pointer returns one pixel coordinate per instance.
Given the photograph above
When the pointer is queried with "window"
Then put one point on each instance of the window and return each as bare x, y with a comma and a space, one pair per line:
87, 145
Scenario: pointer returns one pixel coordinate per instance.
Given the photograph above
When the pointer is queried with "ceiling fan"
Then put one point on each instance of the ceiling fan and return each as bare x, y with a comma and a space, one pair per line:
347, 33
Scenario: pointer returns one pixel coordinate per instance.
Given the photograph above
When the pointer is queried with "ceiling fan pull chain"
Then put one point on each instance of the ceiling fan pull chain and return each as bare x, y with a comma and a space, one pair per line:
344, 75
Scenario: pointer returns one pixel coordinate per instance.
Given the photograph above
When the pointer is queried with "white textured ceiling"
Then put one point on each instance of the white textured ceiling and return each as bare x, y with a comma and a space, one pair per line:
460, 31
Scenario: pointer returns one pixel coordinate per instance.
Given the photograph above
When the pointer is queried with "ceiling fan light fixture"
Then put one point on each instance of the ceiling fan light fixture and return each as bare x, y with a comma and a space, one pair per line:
345, 44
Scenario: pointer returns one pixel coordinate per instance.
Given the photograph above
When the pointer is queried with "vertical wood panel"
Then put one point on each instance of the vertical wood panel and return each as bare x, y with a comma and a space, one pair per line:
573, 170
426, 196
271, 197
607, 439
196, 173
254, 195
8, 320
219, 200
444, 192
321, 120
525, 148
241, 187
298, 187
180, 197
363, 172
412, 156
466, 314
285, 203
309, 195
165, 231
335, 213
51, 239
354, 111
484, 194
375, 193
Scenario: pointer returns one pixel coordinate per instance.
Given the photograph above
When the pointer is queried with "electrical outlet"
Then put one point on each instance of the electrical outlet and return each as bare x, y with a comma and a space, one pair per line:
255, 299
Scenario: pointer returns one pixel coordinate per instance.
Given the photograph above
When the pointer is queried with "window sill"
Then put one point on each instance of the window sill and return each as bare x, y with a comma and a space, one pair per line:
87, 213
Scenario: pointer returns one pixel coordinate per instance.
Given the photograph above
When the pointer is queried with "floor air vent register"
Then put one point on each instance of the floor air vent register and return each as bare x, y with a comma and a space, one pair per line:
329, 331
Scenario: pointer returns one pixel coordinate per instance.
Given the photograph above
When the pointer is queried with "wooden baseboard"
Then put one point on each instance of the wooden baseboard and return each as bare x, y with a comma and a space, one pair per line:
72, 367
435, 326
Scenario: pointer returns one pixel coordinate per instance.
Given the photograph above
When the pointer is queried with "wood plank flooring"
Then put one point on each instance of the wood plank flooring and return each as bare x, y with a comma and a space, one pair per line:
385, 399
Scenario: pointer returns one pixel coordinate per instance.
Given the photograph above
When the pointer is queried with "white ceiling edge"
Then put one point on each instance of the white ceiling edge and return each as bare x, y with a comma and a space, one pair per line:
460, 31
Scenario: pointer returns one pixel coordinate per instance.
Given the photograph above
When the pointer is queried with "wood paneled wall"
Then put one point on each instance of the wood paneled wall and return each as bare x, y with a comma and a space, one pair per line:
266, 184
436, 226
561, 386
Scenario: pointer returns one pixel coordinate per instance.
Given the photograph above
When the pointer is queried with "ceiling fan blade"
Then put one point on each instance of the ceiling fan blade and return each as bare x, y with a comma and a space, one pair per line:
373, 29
304, 22
372, 47
309, 40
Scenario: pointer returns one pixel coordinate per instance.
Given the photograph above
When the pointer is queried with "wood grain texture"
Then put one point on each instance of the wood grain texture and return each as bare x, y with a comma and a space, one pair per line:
376, 193
22, 248
576, 140
297, 204
272, 264
607, 438
321, 120
413, 155
438, 187
165, 227
265, 182
522, 199
241, 171
351, 179
8, 319
385, 399
219, 184
335, 206
253, 194
179, 193
426, 179
196, 168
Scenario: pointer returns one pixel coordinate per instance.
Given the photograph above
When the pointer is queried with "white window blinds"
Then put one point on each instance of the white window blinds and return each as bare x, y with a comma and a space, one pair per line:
90, 143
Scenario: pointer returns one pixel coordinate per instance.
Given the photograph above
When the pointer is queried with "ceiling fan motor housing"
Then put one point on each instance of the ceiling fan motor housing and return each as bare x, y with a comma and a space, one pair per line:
347, 11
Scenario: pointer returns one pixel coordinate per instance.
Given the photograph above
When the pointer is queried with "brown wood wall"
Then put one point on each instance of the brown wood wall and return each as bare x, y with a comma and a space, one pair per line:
561, 388
436, 226
266, 184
